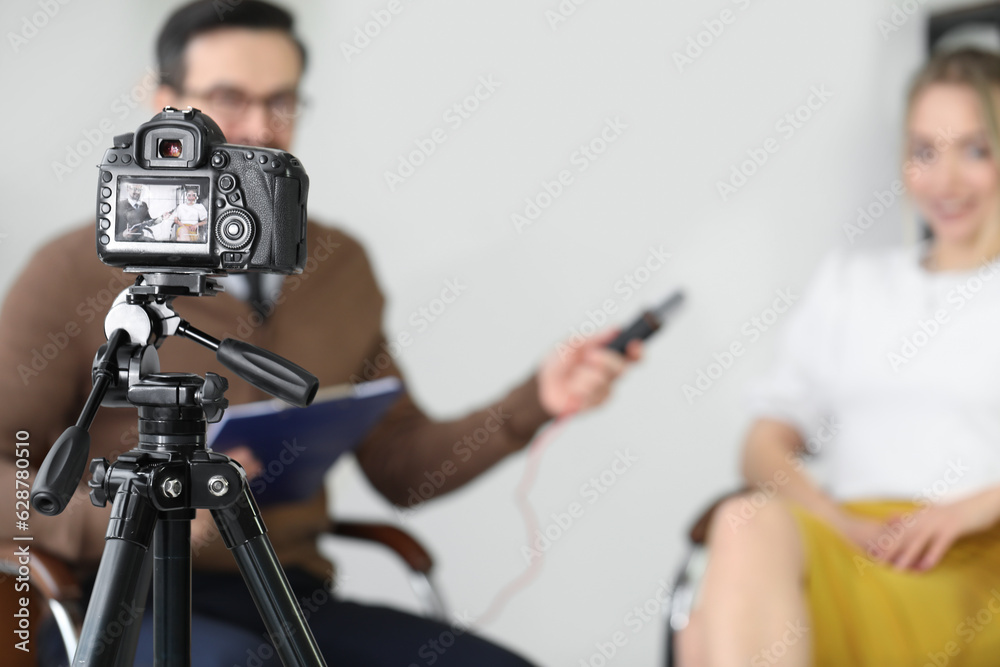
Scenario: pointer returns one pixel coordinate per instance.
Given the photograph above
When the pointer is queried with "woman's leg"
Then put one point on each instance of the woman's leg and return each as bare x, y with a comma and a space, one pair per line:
753, 609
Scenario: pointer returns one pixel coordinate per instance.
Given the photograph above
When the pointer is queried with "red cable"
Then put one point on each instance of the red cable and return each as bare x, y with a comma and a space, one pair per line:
521, 581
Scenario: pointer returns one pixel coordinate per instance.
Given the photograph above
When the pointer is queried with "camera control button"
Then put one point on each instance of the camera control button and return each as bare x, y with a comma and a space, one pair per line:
105, 192
126, 159
263, 159
219, 160
227, 182
220, 202
248, 155
105, 207
235, 229
105, 223
106, 176
234, 197
112, 157
105, 239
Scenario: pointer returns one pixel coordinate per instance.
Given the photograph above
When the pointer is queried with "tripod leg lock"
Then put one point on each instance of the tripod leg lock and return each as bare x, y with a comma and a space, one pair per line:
240, 522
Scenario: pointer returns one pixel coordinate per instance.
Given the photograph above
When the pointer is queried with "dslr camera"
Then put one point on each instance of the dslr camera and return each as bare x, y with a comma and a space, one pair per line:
175, 197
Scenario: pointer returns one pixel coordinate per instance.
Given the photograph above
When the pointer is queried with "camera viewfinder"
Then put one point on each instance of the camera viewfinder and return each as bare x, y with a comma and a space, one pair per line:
170, 148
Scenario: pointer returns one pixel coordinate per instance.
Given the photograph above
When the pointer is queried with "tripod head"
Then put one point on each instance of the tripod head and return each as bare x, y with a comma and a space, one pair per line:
126, 373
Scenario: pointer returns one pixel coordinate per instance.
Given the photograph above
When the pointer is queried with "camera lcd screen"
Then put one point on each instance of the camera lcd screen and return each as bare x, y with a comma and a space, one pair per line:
162, 210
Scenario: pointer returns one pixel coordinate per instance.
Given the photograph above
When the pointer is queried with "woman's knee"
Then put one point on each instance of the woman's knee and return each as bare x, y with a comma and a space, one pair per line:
688, 643
753, 518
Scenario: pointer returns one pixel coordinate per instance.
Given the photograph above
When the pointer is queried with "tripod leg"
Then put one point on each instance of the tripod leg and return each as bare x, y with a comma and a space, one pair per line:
111, 627
246, 537
172, 589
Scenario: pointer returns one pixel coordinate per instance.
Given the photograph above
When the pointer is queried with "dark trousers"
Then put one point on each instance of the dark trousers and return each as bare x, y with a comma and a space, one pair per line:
227, 631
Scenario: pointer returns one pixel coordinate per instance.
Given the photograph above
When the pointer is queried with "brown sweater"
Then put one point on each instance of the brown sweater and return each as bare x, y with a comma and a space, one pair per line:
328, 319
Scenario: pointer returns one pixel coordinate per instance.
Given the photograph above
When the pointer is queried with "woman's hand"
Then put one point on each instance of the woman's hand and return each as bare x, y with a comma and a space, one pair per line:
860, 531
920, 540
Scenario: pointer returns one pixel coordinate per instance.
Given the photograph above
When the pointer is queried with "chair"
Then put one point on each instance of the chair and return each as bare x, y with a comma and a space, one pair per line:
939, 24
54, 588
677, 610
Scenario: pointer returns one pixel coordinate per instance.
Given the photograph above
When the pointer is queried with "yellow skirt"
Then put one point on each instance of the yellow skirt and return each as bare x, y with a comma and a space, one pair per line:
864, 613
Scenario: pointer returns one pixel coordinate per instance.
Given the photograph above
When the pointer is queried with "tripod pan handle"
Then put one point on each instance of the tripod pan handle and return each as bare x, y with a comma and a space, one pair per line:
61, 471
269, 372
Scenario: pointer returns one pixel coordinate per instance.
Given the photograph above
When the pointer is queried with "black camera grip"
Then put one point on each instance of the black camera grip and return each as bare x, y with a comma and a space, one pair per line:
269, 372
61, 471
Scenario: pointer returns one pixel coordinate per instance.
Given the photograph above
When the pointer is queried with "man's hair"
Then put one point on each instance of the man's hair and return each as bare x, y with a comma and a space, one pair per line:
204, 16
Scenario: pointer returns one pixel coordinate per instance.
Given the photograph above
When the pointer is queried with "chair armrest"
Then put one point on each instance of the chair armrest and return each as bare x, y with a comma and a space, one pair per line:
698, 534
405, 545
50, 576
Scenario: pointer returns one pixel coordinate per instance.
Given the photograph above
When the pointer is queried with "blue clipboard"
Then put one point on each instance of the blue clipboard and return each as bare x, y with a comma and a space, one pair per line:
297, 446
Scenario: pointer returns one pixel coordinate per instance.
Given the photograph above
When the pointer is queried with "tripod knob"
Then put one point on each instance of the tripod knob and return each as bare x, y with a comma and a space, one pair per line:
212, 397
98, 473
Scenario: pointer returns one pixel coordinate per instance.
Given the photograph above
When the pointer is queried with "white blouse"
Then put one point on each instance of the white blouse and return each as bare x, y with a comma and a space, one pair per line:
891, 373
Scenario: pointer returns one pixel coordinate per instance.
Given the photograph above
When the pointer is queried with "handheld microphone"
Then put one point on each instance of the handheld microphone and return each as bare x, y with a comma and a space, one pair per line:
648, 323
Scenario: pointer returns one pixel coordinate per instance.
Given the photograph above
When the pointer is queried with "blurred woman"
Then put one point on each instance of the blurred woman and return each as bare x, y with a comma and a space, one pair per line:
890, 366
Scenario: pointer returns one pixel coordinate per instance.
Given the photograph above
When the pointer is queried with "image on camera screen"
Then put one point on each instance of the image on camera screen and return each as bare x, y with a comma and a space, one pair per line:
162, 210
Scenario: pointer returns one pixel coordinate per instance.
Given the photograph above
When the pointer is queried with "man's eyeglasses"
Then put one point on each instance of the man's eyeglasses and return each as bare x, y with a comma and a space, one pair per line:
231, 103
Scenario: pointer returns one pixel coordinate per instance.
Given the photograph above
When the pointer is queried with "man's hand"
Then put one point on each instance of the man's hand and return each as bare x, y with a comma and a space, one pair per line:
922, 543
244, 456
579, 377
203, 530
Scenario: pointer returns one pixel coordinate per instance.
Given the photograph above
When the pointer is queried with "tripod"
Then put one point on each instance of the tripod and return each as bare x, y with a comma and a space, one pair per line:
156, 487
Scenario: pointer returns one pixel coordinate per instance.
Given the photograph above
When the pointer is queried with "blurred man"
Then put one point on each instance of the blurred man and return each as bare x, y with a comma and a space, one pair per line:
241, 64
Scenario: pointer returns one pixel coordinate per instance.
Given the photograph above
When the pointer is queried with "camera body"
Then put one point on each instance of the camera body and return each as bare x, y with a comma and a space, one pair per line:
174, 197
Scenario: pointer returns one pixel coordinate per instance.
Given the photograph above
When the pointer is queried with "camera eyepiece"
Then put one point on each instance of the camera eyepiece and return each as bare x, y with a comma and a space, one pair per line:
171, 148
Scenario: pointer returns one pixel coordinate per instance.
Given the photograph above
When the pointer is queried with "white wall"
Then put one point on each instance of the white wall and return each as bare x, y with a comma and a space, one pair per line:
655, 186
